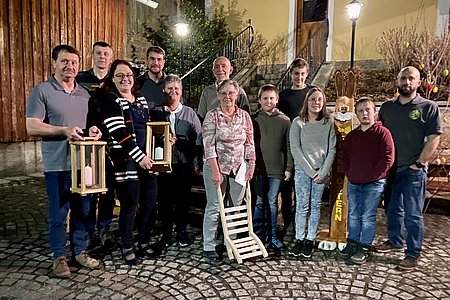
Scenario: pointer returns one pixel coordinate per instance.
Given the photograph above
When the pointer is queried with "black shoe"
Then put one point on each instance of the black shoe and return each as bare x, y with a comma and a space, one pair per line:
108, 240
183, 239
147, 251
94, 241
211, 255
166, 241
221, 248
348, 251
297, 249
362, 255
307, 249
408, 263
131, 262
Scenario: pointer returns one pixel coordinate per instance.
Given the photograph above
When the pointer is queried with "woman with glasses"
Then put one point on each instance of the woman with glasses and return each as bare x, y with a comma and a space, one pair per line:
313, 143
228, 144
125, 113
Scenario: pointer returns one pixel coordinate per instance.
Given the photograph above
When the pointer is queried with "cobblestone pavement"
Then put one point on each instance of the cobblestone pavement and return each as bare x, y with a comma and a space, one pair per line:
182, 273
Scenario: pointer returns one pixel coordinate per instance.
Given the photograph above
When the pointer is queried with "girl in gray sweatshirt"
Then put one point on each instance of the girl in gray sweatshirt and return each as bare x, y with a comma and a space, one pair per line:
313, 147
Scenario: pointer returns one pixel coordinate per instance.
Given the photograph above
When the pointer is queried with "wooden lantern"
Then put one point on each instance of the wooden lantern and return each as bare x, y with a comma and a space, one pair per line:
88, 166
158, 146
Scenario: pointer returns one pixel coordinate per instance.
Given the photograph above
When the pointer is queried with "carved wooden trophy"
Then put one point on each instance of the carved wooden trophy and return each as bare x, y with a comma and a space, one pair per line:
336, 235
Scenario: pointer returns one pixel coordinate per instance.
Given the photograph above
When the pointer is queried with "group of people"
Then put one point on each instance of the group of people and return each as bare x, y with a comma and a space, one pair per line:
290, 141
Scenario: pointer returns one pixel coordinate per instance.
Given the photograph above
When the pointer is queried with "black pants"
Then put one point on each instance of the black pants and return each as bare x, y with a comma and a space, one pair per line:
287, 188
104, 203
132, 194
175, 198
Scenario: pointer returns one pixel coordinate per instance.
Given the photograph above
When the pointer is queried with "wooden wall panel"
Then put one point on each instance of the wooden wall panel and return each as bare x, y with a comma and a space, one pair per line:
5, 118
36, 18
28, 32
27, 62
71, 22
63, 21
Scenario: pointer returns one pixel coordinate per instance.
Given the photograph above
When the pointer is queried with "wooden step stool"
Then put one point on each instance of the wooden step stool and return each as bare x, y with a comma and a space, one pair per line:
238, 219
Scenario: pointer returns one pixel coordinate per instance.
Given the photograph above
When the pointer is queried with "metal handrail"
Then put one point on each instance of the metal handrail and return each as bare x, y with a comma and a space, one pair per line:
313, 52
199, 77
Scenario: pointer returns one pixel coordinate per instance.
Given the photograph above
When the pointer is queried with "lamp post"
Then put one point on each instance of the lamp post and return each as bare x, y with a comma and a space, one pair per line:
353, 10
182, 30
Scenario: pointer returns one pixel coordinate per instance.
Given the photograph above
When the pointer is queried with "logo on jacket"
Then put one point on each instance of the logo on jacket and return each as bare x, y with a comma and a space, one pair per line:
414, 114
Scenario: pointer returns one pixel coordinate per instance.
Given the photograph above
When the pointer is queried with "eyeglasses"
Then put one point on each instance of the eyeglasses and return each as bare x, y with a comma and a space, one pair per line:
122, 76
315, 100
225, 94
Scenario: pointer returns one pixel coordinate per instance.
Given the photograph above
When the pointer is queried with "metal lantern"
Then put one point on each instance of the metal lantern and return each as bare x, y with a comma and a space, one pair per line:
88, 166
158, 146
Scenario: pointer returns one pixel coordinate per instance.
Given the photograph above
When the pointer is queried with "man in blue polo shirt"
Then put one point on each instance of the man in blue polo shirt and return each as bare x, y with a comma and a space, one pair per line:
415, 126
56, 111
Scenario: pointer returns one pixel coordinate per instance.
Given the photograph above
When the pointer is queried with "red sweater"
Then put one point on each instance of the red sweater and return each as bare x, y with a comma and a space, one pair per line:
368, 155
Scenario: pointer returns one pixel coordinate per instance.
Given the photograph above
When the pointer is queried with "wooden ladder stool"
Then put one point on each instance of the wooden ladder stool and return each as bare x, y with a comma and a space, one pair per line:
235, 220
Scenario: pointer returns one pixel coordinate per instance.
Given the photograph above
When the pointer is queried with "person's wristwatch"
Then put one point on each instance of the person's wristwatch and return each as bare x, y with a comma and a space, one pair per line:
420, 165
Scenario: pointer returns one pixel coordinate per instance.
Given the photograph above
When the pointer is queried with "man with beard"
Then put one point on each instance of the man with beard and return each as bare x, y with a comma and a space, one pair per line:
415, 126
151, 82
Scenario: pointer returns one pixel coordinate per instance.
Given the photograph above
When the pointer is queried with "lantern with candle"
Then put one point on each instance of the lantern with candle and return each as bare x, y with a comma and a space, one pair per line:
158, 146
88, 166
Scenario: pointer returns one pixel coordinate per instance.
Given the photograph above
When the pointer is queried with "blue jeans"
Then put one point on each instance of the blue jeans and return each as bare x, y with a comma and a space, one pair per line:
404, 210
60, 200
266, 207
363, 200
308, 194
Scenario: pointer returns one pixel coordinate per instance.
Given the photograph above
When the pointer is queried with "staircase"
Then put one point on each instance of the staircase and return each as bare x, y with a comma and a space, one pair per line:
263, 75
313, 52
237, 50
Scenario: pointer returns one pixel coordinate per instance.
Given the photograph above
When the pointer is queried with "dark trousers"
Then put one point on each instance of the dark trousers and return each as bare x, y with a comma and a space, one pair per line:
132, 194
175, 198
286, 189
102, 205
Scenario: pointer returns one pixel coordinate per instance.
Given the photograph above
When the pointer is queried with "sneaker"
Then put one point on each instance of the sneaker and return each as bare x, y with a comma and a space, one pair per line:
296, 250
348, 251
307, 249
86, 261
388, 247
361, 255
60, 267
408, 263
276, 243
211, 255
183, 239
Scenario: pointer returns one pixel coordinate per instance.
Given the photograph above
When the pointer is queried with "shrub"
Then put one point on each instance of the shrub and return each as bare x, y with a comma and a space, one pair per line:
429, 53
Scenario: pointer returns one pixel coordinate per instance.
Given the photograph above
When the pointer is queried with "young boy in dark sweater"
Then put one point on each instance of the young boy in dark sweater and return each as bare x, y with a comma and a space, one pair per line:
273, 162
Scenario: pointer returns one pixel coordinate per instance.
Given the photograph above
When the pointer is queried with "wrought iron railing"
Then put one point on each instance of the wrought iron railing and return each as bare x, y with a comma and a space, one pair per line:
313, 52
237, 49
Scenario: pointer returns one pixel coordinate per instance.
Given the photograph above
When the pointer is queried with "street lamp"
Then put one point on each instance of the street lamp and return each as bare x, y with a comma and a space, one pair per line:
353, 10
182, 30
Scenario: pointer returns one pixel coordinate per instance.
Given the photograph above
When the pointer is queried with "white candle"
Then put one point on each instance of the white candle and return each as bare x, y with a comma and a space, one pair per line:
88, 176
159, 153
